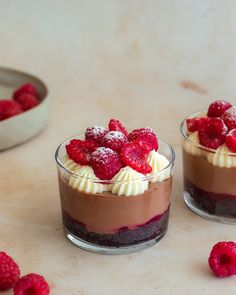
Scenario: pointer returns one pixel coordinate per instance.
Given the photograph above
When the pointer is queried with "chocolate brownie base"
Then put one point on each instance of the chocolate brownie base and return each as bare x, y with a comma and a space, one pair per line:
154, 228
213, 203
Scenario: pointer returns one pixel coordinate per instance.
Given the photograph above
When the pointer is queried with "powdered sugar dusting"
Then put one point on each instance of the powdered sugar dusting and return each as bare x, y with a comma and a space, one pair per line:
230, 112
114, 135
96, 130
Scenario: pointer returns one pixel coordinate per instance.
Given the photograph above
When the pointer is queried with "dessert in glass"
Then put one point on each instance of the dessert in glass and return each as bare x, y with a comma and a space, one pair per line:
115, 188
209, 161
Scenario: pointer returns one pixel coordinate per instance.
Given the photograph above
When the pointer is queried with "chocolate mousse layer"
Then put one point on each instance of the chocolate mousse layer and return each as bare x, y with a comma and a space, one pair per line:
210, 187
106, 213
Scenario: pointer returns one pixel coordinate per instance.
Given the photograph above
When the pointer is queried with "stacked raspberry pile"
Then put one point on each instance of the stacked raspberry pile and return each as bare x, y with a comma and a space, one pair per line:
109, 150
23, 99
10, 278
218, 127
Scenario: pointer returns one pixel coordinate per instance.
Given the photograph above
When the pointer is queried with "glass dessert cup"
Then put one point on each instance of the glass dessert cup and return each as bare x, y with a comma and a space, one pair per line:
209, 179
111, 224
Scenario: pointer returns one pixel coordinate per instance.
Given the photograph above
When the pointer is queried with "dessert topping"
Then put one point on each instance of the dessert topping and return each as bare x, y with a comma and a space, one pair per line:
212, 133
217, 108
115, 125
230, 140
80, 151
194, 124
133, 155
129, 182
105, 163
158, 162
114, 140
145, 137
229, 118
222, 260
9, 271
95, 133
86, 181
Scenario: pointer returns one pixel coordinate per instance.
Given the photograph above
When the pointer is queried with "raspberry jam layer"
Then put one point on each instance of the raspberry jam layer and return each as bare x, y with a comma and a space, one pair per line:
213, 203
154, 228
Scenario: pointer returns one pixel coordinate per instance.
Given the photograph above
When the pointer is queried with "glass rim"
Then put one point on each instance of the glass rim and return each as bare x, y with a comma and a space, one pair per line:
198, 145
145, 177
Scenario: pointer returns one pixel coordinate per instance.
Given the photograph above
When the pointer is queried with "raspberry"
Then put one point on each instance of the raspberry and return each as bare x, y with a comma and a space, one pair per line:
193, 124
9, 108
105, 163
25, 88
217, 108
229, 118
32, 284
9, 271
222, 260
115, 125
114, 140
80, 151
133, 155
212, 133
230, 140
146, 138
95, 133
27, 101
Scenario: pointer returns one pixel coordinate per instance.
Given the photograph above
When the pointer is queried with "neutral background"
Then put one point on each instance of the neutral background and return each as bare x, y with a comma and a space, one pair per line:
147, 63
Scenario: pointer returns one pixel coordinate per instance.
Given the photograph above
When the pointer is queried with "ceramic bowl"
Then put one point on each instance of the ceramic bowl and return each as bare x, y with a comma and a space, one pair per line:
20, 128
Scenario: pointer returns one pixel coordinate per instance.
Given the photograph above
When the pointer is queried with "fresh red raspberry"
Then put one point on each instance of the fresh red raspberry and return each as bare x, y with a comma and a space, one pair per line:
25, 88
32, 284
80, 151
222, 260
114, 140
27, 101
9, 108
193, 124
217, 108
9, 271
212, 133
146, 137
95, 133
229, 118
230, 140
115, 125
105, 163
133, 155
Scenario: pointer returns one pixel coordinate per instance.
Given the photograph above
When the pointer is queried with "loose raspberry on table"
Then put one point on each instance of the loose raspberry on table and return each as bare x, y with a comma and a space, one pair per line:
146, 138
114, 140
9, 108
9, 271
230, 140
32, 284
95, 133
222, 260
212, 133
105, 163
229, 118
25, 88
133, 155
27, 101
193, 124
116, 125
80, 150
217, 108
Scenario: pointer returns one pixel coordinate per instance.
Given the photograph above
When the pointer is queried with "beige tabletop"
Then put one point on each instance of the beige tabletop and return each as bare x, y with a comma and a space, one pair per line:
147, 63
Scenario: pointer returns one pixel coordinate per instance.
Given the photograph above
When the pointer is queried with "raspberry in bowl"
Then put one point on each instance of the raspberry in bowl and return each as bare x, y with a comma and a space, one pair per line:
209, 161
115, 188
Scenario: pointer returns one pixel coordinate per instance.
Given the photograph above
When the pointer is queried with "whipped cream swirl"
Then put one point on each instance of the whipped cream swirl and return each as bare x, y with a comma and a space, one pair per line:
158, 162
128, 183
